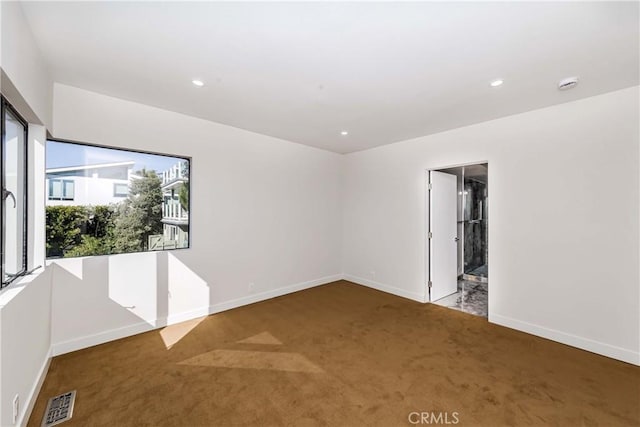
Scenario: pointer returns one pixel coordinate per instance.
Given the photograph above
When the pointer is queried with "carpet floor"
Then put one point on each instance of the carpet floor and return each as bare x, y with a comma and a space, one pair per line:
341, 355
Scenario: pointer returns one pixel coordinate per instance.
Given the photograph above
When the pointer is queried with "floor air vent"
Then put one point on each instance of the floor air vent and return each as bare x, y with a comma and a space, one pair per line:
59, 409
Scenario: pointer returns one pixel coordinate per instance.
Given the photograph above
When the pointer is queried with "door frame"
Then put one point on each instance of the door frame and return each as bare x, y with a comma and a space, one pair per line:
427, 216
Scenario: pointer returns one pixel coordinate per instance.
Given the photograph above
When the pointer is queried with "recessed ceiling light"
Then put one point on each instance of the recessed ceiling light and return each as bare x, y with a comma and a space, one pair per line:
496, 82
198, 83
568, 83
344, 133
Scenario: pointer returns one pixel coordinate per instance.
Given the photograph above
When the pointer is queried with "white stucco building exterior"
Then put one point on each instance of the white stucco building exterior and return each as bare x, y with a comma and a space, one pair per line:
98, 184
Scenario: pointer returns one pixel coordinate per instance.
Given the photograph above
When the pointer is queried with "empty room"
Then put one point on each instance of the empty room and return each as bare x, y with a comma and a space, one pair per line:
320, 213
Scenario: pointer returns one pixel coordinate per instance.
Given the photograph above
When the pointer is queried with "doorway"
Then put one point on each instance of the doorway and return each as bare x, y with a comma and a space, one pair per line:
458, 212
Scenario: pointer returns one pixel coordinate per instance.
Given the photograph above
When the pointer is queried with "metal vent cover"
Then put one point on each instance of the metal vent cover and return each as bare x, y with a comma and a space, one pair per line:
59, 409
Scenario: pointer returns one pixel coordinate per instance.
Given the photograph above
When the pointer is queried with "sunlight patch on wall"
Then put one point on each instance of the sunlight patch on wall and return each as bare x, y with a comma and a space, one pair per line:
134, 284
73, 266
187, 290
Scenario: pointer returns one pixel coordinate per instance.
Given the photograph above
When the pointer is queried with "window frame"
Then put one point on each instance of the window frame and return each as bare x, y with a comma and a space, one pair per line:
62, 197
5, 106
134, 150
115, 190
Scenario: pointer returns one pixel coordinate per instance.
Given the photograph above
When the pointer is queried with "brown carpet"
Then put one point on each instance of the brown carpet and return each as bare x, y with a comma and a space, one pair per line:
341, 355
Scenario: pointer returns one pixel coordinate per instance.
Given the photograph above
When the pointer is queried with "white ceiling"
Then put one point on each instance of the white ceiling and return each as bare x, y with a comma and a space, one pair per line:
306, 71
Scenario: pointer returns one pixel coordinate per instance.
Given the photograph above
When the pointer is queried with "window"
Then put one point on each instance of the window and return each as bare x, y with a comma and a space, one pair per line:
13, 213
110, 200
120, 190
61, 189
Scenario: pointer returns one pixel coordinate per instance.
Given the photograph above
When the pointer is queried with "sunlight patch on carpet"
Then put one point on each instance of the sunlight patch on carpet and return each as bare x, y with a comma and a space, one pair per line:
290, 362
261, 338
174, 333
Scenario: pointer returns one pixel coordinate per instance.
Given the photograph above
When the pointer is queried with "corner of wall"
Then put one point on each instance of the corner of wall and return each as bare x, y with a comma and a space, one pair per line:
26, 79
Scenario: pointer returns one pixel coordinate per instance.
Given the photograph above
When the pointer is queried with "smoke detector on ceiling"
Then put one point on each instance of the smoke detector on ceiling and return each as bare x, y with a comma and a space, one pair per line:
568, 83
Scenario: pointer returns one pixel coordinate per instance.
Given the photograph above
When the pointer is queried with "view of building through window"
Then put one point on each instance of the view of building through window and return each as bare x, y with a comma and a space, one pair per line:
107, 201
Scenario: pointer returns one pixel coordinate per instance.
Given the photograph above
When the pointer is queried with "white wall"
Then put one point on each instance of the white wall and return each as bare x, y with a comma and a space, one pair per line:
26, 80
25, 340
264, 211
25, 306
563, 221
36, 234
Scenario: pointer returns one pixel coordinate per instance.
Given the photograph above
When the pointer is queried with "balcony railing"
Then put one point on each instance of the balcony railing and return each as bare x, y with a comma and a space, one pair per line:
179, 171
172, 210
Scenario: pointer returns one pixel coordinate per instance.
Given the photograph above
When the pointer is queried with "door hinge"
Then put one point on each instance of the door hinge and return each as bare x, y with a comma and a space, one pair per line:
430, 235
429, 186
430, 284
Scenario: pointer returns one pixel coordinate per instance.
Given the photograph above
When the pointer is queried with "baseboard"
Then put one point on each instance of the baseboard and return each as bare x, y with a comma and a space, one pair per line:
618, 353
183, 317
384, 288
100, 338
34, 392
262, 296
251, 299
127, 331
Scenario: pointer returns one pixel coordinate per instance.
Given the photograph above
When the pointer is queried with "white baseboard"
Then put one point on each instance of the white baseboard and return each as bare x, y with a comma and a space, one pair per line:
30, 400
385, 288
183, 317
100, 338
250, 299
597, 347
137, 328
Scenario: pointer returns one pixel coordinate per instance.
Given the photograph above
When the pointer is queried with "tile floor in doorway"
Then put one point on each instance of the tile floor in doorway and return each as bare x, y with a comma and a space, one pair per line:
481, 271
471, 298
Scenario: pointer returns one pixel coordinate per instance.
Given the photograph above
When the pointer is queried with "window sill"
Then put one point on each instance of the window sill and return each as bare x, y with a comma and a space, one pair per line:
13, 290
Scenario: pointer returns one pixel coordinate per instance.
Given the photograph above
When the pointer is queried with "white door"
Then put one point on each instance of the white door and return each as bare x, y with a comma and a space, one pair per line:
443, 246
